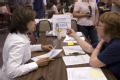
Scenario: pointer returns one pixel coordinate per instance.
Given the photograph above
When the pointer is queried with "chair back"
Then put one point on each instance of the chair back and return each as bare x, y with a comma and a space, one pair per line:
44, 26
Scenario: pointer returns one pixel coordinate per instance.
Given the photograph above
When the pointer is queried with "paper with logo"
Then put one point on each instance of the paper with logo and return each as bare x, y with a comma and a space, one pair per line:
60, 24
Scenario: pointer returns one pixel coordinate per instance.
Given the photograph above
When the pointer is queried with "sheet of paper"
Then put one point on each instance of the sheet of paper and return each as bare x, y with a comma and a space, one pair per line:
74, 60
63, 22
85, 73
71, 49
68, 38
49, 33
53, 53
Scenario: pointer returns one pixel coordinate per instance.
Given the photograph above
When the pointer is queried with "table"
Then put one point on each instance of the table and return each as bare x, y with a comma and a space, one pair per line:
56, 70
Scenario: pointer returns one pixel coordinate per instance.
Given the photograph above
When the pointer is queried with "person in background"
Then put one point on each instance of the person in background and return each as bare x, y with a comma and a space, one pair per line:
4, 10
87, 14
97, 1
51, 9
14, 3
106, 53
17, 49
51, 6
39, 6
116, 6
104, 6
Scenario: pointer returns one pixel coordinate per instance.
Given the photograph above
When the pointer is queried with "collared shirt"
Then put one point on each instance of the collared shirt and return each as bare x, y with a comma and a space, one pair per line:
16, 52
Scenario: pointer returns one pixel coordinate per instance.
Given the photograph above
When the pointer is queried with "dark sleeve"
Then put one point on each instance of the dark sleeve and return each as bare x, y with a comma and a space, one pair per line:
110, 54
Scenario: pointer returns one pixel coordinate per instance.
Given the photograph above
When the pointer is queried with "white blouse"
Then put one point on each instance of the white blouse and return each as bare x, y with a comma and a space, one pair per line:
82, 7
16, 52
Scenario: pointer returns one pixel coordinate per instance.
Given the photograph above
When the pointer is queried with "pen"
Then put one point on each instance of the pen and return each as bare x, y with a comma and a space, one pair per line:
76, 53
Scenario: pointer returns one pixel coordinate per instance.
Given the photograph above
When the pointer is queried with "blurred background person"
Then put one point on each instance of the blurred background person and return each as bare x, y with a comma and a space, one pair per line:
86, 12
116, 6
39, 6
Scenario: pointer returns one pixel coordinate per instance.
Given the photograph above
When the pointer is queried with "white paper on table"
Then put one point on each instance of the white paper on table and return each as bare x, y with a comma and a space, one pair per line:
71, 49
49, 33
53, 53
85, 73
68, 38
74, 60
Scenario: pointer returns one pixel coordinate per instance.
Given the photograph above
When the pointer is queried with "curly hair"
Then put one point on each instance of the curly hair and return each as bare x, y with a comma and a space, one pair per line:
112, 22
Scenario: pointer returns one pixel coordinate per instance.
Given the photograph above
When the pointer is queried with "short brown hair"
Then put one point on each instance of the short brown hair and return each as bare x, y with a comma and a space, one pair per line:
112, 22
20, 18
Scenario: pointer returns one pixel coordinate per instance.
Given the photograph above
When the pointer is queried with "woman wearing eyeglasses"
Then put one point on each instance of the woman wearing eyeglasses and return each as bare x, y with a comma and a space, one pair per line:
107, 52
87, 14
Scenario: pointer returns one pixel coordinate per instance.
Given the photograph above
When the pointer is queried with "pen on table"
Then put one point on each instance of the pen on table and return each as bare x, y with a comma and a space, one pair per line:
76, 53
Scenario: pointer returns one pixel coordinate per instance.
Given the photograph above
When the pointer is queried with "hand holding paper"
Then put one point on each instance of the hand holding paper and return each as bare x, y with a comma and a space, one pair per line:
43, 61
53, 53
46, 47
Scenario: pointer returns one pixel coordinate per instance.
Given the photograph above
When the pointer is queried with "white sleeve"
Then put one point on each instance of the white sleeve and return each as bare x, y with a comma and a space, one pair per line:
15, 65
77, 6
96, 7
45, 3
36, 47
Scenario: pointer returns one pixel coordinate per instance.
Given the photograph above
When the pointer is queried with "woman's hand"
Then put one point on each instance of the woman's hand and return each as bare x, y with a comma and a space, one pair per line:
71, 32
46, 47
100, 44
43, 61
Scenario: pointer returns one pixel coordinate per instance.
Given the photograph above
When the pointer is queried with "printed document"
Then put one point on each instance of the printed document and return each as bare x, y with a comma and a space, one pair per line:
68, 38
85, 73
72, 49
53, 53
60, 24
74, 60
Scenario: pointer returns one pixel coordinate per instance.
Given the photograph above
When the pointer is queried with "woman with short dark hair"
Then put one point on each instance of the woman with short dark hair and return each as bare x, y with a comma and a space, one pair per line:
17, 49
107, 52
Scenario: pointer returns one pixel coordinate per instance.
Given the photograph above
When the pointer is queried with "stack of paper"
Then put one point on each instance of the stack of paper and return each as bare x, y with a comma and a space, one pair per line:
71, 49
85, 73
53, 53
74, 60
63, 22
68, 38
